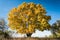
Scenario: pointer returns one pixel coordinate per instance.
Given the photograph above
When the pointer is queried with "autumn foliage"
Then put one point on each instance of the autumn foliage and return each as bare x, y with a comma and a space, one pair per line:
27, 17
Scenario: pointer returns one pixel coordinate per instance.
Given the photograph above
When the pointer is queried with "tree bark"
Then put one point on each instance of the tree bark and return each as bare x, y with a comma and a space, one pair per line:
29, 34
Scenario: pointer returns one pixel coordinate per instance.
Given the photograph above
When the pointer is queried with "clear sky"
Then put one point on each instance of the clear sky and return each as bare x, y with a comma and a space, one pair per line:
52, 7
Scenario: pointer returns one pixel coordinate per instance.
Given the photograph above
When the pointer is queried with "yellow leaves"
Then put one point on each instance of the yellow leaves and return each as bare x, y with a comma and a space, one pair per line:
40, 9
31, 5
41, 28
43, 20
27, 31
39, 18
22, 7
14, 10
27, 12
37, 11
48, 17
31, 28
21, 30
38, 6
12, 27
31, 18
10, 15
19, 9
24, 4
24, 18
31, 31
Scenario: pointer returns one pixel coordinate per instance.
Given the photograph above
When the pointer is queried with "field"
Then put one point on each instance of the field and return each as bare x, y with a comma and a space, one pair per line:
29, 38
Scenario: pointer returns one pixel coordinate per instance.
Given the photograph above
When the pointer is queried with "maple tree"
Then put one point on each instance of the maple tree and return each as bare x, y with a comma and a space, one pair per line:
27, 17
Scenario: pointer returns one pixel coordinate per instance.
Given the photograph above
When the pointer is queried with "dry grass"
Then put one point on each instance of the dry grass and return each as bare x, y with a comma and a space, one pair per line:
29, 38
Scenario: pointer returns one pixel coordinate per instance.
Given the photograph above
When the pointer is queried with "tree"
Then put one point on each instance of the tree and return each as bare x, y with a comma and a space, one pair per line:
3, 30
27, 17
2, 24
56, 28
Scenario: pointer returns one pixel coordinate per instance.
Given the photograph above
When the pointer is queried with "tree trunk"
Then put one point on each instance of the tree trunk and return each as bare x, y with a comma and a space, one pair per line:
29, 34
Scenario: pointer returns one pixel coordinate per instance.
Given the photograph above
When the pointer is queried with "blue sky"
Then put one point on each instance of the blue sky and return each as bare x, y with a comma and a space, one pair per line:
52, 7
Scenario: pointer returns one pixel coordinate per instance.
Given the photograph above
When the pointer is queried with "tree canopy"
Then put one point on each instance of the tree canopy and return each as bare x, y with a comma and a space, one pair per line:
56, 28
27, 17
